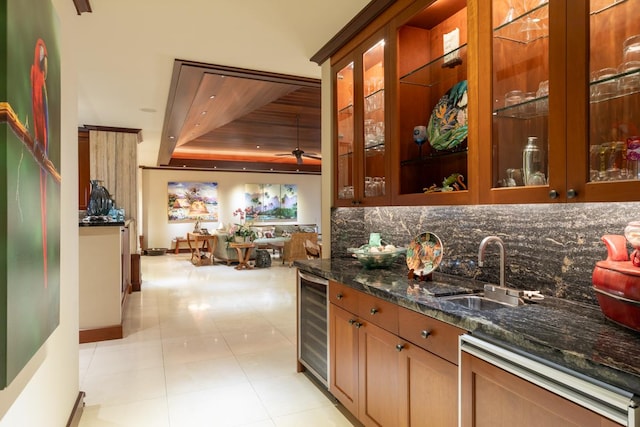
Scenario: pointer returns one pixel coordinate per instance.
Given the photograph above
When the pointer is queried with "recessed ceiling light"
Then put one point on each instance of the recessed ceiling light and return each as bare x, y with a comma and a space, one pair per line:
172, 137
257, 146
197, 124
203, 113
212, 96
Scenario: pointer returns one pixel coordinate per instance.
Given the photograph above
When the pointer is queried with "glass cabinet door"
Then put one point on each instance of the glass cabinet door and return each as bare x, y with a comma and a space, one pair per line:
520, 93
374, 184
614, 107
345, 132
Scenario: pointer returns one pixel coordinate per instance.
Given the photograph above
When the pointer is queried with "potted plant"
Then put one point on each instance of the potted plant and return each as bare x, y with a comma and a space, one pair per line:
242, 232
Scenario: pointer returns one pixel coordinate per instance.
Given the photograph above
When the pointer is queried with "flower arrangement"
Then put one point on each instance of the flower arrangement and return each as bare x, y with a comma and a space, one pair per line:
243, 229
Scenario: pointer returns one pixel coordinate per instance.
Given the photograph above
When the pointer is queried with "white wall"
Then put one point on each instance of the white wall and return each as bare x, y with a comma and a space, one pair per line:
44, 392
157, 230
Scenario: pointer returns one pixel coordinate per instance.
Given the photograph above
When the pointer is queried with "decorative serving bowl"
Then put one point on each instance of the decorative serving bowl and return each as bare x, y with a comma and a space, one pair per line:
377, 256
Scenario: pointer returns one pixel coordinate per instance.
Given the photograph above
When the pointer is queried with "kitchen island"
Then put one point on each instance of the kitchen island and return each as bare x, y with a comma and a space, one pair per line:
104, 279
573, 335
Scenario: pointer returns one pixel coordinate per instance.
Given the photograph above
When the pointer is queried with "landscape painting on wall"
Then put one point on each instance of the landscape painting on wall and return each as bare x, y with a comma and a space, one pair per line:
30, 192
191, 201
269, 202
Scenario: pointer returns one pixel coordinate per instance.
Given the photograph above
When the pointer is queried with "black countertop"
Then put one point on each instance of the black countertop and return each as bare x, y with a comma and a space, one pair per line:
573, 335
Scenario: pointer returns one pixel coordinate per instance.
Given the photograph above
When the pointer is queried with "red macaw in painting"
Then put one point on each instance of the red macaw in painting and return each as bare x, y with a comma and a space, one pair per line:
39, 107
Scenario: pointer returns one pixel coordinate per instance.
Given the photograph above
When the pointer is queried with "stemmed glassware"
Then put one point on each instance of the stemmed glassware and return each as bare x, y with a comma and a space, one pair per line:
511, 12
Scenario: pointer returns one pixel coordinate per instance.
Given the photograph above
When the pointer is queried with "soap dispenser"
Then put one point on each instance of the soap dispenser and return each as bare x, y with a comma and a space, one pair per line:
533, 163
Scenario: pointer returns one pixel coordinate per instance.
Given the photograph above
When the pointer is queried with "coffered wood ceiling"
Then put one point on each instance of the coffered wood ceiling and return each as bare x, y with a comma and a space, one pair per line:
235, 119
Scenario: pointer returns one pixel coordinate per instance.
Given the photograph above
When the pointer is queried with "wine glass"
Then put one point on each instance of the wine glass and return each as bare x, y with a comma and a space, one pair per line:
511, 12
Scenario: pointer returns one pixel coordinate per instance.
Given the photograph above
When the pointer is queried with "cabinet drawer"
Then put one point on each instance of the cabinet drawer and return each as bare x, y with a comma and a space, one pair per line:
441, 338
378, 312
343, 296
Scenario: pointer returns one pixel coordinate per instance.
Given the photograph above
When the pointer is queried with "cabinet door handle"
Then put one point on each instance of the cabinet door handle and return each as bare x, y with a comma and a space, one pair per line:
357, 324
425, 334
373, 311
339, 296
399, 347
553, 194
352, 321
571, 193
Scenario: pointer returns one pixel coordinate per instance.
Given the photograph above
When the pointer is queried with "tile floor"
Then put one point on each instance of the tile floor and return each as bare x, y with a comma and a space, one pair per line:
204, 346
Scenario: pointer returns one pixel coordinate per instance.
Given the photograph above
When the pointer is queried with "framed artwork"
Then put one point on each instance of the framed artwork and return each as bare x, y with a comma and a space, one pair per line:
272, 202
190, 201
30, 194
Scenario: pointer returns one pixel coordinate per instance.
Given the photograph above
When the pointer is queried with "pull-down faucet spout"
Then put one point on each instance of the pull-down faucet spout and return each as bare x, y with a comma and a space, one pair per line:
483, 245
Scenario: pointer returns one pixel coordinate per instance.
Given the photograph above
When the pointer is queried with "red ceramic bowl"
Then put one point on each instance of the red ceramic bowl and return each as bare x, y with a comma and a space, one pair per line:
617, 286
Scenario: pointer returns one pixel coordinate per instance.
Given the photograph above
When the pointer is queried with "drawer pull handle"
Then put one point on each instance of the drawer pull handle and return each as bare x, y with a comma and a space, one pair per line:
373, 311
339, 296
425, 334
399, 347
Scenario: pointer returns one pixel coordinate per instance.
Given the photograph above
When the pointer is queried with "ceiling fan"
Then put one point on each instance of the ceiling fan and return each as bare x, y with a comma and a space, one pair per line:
297, 152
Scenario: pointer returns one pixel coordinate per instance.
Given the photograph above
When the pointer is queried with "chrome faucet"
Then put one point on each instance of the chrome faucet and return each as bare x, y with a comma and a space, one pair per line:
483, 245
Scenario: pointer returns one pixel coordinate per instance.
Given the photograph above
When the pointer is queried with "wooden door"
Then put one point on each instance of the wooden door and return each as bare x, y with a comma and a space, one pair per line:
343, 358
379, 370
84, 186
493, 397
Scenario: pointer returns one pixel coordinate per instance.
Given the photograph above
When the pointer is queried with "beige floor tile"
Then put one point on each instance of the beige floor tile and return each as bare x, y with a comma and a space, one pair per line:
145, 413
268, 364
327, 416
229, 406
289, 395
123, 387
265, 338
190, 349
203, 375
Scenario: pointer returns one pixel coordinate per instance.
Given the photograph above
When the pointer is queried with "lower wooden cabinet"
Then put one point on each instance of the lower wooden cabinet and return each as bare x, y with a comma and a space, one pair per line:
380, 354
493, 397
343, 357
382, 378
430, 385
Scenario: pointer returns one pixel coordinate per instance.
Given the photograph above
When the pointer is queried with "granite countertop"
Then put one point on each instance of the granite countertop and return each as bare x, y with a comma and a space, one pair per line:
573, 335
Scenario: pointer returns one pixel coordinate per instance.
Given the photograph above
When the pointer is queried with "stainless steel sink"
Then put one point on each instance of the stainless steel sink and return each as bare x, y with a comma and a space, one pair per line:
476, 302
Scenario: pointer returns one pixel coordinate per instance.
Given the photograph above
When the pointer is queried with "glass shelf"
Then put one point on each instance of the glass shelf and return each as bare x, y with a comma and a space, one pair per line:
601, 6
437, 155
423, 76
615, 86
537, 107
526, 28
346, 111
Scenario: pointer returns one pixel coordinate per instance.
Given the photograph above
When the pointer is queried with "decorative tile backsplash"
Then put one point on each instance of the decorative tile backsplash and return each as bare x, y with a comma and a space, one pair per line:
549, 247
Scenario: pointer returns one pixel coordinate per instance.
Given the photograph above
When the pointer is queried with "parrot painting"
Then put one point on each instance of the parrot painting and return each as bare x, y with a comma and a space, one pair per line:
40, 111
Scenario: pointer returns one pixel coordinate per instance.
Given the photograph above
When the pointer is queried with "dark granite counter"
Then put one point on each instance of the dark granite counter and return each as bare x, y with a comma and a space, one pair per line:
573, 335
101, 224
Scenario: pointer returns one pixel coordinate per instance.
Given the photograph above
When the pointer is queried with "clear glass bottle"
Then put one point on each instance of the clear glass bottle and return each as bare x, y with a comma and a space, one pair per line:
533, 169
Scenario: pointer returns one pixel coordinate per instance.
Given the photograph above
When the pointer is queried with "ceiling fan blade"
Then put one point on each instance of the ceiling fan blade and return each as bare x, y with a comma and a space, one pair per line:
311, 156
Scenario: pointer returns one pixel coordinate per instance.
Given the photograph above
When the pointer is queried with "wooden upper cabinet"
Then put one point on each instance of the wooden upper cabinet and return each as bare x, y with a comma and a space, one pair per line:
555, 122
527, 109
431, 105
361, 138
